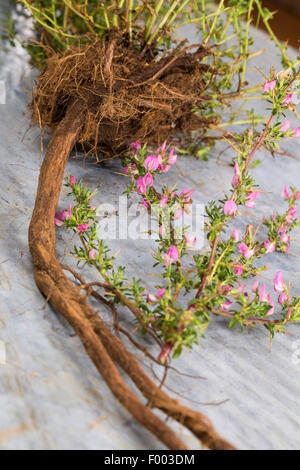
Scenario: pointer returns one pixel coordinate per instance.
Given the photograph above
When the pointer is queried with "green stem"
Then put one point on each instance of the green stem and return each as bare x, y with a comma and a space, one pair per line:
173, 18
163, 21
241, 122
151, 19
245, 54
220, 8
129, 10
270, 31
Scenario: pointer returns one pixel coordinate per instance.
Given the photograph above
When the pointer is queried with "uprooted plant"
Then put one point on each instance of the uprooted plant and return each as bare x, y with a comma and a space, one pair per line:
211, 279
113, 73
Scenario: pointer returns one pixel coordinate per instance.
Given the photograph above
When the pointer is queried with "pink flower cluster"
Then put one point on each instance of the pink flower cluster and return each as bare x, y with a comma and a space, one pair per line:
279, 287
263, 295
294, 196
288, 100
161, 161
270, 86
245, 251
286, 126
151, 298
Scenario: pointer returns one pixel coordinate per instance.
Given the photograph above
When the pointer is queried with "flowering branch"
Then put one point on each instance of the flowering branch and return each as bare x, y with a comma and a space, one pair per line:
214, 276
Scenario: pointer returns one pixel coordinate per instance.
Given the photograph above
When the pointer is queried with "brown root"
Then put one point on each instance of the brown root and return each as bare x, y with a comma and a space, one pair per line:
101, 345
129, 98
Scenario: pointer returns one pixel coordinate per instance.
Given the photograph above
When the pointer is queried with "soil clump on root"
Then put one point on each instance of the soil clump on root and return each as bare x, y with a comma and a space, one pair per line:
129, 97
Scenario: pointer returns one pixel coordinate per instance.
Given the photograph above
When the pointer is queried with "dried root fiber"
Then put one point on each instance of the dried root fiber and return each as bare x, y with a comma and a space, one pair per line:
128, 97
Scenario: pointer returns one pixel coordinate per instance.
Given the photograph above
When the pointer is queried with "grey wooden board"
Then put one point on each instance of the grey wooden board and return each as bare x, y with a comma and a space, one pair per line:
51, 396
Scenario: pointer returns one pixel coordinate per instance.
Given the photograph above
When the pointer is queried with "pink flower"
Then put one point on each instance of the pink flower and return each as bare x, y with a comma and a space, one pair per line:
272, 309
269, 86
289, 314
172, 157
160, 160
236, 179
226, 289
141, 186
69, 211
164, 168
151, 298
296, 132
241, 289
280, 228
171, 256
250, 201
255, 286
92, 254
270, 247
226, 305
148, 179
263, 296
151, 163
164, 201
286, 192
285, 126
237, 170
243, 248
145, 204
282, 299
93, 208
285, 238
126, 169
187, 194
288, 99
162, 148
274, 216
72, 180
245, 251
239, 270
82, 228
297, 195
279, 282
190, 241
135, 146
291, 214
235, 235
230, 208
160, 292
59, 218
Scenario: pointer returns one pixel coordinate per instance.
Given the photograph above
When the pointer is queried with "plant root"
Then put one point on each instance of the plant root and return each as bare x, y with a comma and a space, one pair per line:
102, 346
129, 98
